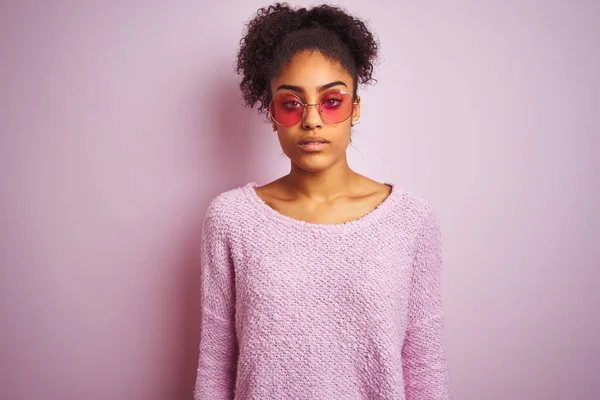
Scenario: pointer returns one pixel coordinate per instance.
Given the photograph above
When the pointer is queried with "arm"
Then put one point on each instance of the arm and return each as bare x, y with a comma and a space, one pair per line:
424, 362
217, 362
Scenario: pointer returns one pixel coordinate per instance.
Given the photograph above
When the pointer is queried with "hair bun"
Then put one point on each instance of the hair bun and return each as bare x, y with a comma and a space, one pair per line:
278, 31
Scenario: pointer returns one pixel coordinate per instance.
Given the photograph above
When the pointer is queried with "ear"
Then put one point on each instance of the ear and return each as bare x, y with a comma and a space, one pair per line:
356, 110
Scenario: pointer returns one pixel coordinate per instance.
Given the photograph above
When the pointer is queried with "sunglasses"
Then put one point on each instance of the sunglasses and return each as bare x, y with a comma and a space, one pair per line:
334, 106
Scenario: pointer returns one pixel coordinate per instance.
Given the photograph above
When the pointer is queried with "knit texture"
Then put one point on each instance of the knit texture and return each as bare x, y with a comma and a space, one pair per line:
298, 310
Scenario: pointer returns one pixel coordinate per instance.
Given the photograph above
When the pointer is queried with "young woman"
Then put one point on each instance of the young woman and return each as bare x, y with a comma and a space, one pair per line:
323, 284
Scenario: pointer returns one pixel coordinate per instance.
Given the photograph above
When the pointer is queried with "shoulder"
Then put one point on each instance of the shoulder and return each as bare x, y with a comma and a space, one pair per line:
420, 203
225, 209
415, 209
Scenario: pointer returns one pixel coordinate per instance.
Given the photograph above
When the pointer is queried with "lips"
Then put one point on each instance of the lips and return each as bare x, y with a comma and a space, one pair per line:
312, 139
312, 147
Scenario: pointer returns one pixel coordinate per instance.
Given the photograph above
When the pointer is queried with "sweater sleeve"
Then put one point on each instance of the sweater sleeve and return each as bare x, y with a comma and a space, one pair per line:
424, 363
216, 374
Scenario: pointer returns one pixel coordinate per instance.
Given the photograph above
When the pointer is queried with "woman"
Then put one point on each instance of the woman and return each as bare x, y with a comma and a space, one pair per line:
323, 284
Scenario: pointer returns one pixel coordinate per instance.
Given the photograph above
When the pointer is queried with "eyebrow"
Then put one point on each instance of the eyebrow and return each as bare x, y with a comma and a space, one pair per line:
299, 89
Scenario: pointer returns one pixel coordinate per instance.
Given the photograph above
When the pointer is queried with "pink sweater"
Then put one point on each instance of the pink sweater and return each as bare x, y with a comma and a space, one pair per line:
297, 310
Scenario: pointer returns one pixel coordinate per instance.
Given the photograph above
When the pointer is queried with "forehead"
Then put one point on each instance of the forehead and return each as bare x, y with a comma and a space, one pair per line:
310, 69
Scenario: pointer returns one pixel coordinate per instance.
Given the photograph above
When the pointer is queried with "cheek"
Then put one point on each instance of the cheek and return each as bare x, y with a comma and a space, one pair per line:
285, 137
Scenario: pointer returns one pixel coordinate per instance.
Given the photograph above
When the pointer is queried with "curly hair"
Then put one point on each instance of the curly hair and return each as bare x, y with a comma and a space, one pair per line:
278, 32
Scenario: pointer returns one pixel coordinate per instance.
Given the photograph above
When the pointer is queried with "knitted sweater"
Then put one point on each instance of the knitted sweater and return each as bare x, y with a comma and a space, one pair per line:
299, 310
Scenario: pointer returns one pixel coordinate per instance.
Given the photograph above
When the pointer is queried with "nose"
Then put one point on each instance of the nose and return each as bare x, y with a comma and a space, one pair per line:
312, 117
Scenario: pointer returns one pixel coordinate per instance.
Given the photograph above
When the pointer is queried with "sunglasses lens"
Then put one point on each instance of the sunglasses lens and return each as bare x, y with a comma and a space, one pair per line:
286, 109
336, 106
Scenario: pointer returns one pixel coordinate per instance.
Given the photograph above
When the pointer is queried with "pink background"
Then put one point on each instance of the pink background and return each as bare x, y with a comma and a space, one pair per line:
120, 120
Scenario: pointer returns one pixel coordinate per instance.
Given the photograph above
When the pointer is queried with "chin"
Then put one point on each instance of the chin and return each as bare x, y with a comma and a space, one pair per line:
313, 162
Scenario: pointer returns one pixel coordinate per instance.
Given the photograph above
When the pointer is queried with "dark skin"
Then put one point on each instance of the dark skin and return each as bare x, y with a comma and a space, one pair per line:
321, 187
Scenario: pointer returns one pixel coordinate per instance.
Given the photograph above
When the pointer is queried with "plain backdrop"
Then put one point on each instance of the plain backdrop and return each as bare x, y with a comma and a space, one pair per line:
121, 120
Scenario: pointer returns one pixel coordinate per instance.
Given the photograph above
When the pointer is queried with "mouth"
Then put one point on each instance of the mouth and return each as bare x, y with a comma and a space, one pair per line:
313, 145
312, 139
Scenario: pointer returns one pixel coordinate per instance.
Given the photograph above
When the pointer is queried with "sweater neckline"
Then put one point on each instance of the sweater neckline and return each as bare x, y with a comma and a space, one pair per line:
375, 214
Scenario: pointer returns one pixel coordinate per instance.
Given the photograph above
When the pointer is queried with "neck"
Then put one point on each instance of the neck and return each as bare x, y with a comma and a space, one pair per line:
321, 185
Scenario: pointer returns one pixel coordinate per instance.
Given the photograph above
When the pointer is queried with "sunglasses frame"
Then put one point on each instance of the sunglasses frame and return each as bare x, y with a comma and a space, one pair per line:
304, 105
